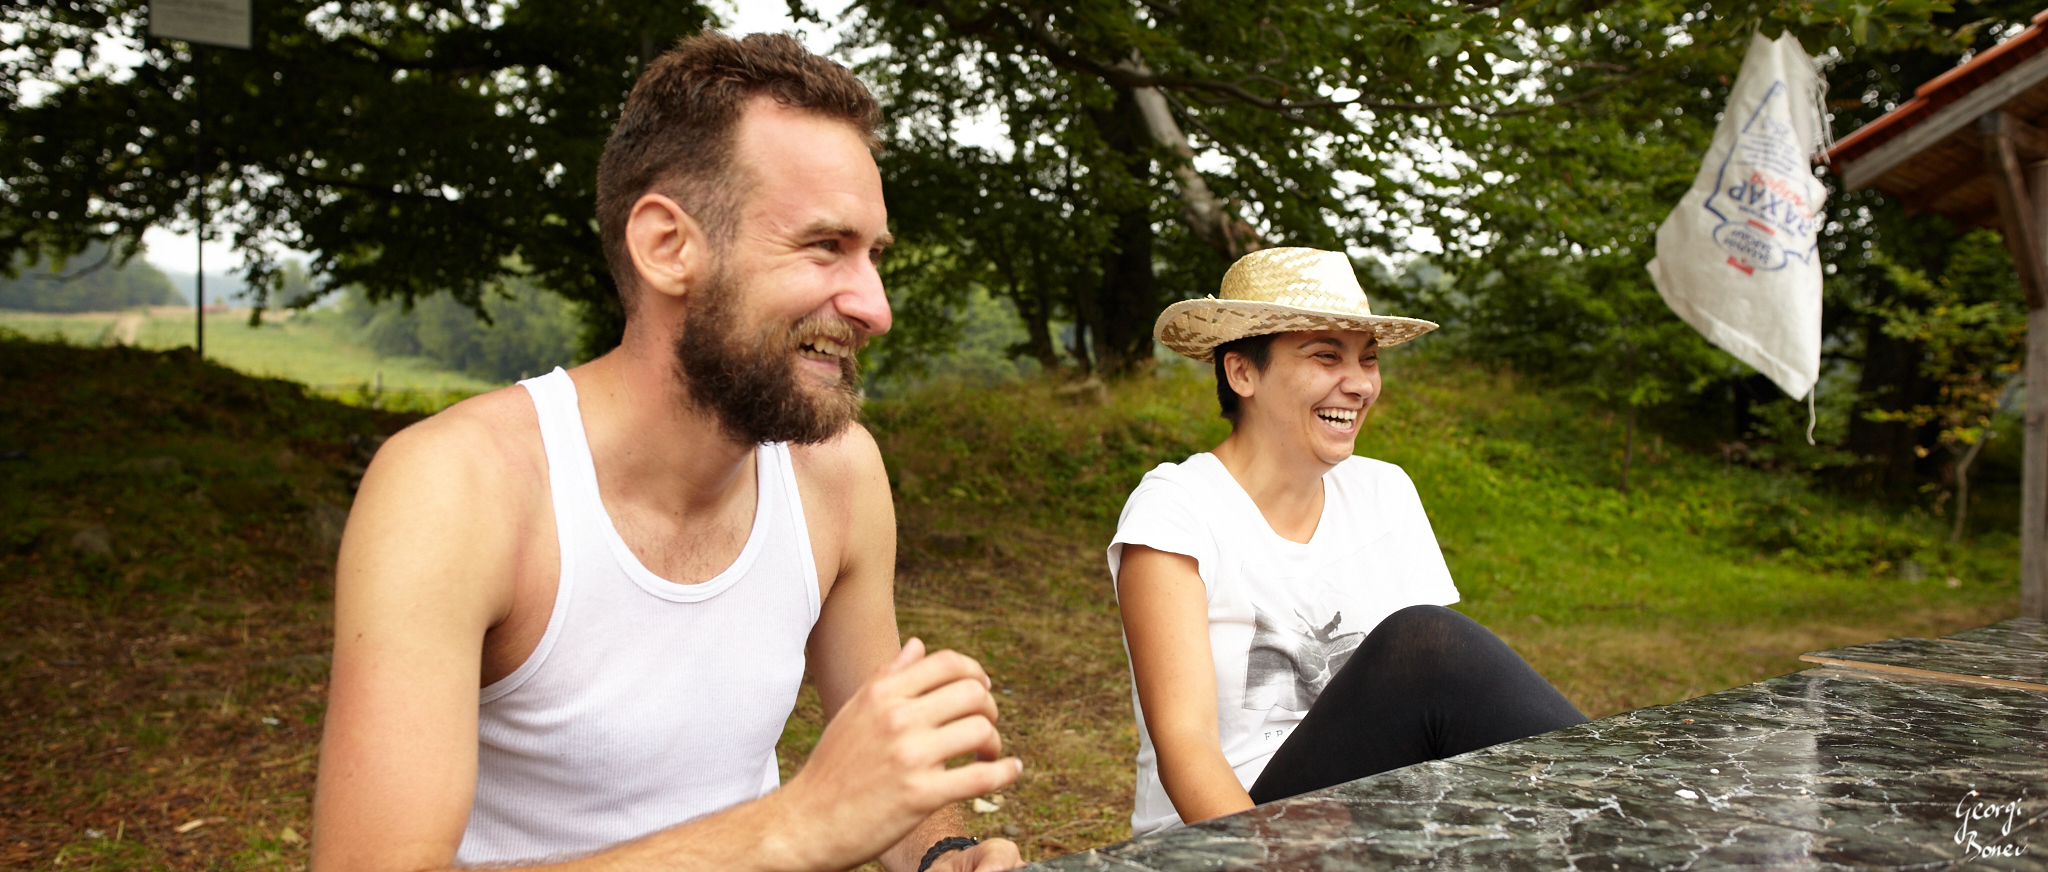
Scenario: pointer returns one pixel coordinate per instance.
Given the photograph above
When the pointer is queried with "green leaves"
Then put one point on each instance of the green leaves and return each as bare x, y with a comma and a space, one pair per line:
1971, 324
412, 149
1888, 18
423, 147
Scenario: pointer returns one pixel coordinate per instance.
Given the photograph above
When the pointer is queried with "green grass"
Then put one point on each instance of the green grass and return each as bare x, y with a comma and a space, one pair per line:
167, 533
1523, 488
1702, 576
174, 671
308, 348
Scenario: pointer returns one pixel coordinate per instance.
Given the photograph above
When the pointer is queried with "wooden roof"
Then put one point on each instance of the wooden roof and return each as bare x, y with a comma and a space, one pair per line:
1928, 152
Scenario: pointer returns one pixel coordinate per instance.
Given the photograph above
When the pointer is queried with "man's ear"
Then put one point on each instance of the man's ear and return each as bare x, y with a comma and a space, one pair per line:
1239, 370
669, 248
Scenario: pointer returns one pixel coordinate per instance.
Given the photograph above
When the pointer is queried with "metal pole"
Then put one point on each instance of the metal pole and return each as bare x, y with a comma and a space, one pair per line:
199, 201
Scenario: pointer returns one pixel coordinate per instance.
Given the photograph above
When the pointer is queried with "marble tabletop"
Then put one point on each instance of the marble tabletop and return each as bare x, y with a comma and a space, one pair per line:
2026, 633
1968, 659
1831, 768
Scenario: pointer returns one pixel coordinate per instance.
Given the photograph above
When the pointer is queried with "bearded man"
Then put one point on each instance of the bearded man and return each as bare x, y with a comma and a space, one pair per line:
571, 616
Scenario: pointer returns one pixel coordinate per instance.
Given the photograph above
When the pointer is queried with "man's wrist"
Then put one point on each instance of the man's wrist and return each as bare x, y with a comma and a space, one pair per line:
785, 843
943, 846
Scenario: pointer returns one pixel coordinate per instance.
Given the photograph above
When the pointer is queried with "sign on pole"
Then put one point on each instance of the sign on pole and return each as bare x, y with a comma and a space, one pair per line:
223, 23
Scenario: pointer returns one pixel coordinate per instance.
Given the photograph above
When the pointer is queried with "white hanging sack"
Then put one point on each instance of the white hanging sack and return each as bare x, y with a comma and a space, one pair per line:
1739, 259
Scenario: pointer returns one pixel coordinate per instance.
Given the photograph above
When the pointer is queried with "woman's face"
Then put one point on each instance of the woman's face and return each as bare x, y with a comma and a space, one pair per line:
1315, 390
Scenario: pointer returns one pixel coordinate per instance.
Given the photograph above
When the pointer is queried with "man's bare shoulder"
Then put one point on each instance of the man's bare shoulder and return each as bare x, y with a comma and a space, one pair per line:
485, 446
841, 466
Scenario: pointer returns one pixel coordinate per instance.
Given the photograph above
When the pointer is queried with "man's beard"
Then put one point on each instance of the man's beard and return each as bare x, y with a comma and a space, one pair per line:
750, 383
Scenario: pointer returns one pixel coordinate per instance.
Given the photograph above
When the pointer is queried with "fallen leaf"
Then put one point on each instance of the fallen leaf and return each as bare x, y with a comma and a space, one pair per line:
290, 836
190, 825
983, 806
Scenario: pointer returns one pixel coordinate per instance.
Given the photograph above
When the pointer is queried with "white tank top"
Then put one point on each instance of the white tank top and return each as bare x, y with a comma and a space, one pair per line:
646, 703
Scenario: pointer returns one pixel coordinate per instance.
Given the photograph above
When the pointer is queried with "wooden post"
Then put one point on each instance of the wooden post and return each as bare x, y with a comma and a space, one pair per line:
2034, 468
2022, 217
2034, 477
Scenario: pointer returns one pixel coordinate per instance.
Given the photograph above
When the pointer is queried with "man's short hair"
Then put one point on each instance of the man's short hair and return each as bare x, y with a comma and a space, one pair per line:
1256, 349
675, 136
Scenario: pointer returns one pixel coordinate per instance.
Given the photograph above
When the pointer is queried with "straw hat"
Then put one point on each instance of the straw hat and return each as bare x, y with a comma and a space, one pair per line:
1278, 290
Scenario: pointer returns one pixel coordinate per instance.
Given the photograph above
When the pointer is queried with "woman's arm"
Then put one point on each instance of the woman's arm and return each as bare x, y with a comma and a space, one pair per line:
1166, 622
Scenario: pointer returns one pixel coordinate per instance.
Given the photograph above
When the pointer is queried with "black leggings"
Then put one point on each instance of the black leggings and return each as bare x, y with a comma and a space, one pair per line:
1426, 684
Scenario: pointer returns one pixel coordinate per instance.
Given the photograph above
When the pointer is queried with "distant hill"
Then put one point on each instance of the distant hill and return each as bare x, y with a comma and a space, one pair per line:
221, 287
89, 282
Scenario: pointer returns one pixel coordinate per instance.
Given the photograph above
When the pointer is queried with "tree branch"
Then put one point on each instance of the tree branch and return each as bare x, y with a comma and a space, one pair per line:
1055, 50
105, 259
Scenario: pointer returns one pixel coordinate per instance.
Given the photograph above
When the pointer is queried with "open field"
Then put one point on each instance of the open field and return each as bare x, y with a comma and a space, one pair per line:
304, 348
167, 529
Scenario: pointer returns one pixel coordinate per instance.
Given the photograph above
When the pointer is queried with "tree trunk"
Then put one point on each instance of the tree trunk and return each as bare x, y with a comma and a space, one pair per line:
1037, 313
1086, 321
1208, 216
1628, 453
1891, 382
1032, 298
1955, 533
1127, 297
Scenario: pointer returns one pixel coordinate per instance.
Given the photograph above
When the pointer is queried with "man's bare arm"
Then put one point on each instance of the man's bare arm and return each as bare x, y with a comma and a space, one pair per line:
857, 628
427, 570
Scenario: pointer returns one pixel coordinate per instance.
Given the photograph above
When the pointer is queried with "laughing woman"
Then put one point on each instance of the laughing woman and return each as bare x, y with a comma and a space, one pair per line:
1283, 600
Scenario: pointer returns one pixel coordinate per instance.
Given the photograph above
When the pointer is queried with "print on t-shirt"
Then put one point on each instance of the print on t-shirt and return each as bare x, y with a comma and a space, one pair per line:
1291, 660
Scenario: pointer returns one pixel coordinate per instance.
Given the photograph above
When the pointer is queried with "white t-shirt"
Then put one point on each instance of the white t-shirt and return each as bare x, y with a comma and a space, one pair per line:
1283, 616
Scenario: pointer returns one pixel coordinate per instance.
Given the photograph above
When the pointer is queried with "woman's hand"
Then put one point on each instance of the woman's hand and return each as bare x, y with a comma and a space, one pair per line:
1166, 622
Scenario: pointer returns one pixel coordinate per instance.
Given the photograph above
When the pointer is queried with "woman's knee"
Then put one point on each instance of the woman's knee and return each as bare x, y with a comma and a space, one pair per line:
1432, 636
1425, 616
1427, 624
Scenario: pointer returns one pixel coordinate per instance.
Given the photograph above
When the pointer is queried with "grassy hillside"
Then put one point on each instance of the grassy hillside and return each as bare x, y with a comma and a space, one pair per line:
167, 528
308, 348
1704, 576
167, 531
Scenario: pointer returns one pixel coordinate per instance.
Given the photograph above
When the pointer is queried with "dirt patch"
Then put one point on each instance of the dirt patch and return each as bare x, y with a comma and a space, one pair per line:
128, 725
126, 327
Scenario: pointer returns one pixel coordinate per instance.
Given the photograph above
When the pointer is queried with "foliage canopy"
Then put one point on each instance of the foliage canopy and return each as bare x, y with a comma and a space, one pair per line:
411, 148
1526, 149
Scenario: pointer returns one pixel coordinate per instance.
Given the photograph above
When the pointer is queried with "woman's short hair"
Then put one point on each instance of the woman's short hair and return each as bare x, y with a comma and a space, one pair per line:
1256, 349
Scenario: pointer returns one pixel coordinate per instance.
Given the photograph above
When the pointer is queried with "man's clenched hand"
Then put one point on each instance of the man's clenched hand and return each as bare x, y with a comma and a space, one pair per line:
994, 855
880, 767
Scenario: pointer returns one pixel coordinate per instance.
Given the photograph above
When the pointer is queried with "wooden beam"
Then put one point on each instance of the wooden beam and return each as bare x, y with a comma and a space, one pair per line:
1917, 672
1989, 97
1923, 198
2030, 140
2015, 207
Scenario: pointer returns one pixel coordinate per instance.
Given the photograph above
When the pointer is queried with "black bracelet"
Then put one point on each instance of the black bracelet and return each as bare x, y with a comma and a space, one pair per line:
949, 843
